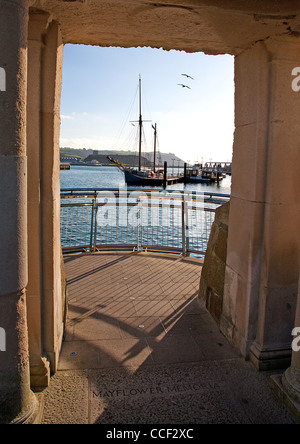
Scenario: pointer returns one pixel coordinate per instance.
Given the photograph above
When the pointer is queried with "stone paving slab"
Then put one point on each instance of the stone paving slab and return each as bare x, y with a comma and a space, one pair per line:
222, 392
140, 349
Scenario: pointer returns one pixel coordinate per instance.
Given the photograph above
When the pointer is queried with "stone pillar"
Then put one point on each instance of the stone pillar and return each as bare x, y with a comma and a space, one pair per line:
39, 366
17, 403
263, 242
291, 378
53, 299
287, 386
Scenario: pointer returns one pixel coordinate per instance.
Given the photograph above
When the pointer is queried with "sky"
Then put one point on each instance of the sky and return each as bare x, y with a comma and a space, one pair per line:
99, 101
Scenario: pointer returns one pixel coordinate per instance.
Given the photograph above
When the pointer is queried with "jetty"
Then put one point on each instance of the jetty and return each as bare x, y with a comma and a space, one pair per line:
65, 166
216, 171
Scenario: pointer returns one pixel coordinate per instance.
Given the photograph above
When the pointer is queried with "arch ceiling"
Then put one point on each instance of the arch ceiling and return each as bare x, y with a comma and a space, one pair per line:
214, 27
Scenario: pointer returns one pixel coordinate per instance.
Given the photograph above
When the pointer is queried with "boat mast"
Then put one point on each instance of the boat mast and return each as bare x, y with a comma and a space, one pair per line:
140, 124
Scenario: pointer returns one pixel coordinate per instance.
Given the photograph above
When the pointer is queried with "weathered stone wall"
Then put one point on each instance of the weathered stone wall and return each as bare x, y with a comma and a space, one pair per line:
213, 272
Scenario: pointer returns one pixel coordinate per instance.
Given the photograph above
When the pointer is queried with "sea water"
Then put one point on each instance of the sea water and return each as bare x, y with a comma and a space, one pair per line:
112, 177
161, 227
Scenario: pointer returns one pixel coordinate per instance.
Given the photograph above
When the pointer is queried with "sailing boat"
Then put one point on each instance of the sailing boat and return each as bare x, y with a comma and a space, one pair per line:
147, 177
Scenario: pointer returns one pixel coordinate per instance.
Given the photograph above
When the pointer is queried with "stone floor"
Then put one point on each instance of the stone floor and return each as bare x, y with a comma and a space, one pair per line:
140, 349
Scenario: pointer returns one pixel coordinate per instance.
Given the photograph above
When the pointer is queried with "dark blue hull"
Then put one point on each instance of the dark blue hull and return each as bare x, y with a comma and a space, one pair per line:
134, 179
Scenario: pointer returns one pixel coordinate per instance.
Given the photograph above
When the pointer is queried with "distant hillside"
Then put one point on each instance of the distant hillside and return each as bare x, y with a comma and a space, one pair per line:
127, 157
82, 152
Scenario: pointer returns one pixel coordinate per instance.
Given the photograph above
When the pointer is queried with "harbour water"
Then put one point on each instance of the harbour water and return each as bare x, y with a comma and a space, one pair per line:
112, 177
161, 223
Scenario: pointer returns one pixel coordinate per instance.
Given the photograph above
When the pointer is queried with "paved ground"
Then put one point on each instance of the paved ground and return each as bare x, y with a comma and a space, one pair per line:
140, 349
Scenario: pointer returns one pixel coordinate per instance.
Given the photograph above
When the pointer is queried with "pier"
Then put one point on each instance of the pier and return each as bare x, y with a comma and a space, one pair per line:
65, 166
216, 171
222, 167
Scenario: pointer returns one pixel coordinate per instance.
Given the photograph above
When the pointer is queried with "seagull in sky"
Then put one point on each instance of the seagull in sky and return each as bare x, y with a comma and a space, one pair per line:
183, 86
187, 76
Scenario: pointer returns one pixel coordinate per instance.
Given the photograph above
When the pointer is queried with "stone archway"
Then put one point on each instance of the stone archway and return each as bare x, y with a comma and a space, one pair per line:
262, 265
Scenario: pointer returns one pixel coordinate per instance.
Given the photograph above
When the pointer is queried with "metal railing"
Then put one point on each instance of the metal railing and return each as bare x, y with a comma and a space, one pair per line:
137, 219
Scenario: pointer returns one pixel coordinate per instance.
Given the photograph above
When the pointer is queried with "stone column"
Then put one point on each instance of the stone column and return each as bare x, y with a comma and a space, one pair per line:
17, 403
263, 242
39, 366
53, 301
291, 378
287, 386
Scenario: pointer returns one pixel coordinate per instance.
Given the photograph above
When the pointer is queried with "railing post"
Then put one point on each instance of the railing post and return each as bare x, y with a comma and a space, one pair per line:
183, 227
139, 225
96, 223
187, 237
92, 226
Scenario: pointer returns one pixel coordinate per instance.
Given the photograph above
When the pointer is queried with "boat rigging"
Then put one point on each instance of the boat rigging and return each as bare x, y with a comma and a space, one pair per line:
147, 176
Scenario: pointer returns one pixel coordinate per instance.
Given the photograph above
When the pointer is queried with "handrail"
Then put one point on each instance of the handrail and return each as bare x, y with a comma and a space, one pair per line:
94, 191
139, 219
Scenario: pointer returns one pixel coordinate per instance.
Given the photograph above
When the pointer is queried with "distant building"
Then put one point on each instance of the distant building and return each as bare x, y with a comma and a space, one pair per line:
92, 162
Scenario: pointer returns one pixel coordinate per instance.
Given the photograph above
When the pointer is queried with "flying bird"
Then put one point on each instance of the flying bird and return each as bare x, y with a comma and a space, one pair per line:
183, 86
186, 75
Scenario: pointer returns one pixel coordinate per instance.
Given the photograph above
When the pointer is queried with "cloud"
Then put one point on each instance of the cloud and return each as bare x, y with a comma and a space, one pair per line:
99, 143
64, 117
